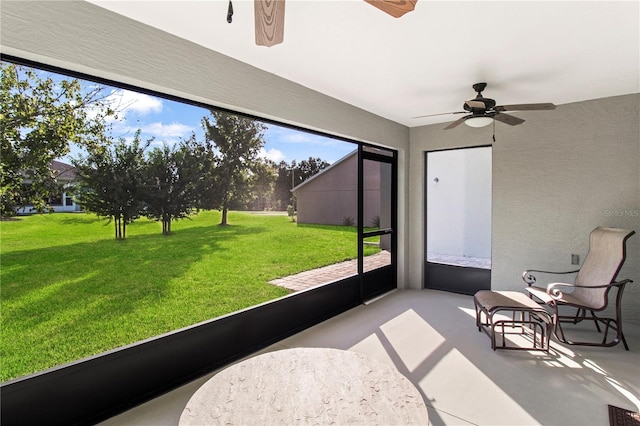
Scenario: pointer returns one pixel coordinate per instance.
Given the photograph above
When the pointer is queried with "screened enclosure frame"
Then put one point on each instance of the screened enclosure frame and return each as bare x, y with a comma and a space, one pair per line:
92, 389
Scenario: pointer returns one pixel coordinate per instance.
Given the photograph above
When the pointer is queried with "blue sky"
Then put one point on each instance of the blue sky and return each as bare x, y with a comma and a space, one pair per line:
169, 122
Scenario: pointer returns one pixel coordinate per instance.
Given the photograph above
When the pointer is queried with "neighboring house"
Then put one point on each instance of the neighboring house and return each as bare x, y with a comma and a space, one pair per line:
63, 201
331, 196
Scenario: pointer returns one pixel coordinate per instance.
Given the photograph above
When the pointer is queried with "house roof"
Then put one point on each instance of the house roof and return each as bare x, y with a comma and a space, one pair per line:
325, 170
426, 61
64, 172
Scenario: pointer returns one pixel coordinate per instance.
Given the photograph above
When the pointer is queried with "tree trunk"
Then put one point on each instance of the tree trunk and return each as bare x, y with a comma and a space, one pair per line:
121, 227
223, 222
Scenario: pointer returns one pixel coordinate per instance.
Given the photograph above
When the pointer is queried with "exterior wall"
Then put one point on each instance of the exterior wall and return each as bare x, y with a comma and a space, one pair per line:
65, 175
70, 206
332, 195
555, 178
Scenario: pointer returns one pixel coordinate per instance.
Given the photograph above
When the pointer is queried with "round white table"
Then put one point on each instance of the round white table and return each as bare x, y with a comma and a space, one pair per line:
307, 386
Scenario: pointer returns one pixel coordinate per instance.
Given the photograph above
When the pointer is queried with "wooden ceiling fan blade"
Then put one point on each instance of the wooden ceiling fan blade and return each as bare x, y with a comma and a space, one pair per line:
526, 107
395, 8
269, 22
457, 122
508, 119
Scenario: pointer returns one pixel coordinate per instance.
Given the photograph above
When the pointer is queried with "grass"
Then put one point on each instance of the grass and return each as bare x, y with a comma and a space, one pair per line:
70, 290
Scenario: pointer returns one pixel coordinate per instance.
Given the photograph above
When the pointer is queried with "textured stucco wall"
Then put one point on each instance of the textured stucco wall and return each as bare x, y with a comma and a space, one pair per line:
555, 178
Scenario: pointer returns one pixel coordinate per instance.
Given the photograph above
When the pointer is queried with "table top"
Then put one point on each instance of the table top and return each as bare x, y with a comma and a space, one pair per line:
307, 386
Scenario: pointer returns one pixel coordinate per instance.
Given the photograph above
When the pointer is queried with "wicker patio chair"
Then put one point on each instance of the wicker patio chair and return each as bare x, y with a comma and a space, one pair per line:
589, 293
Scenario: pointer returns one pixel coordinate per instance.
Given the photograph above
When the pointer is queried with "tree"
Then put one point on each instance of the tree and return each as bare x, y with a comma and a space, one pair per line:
111, 182
283, 185
262, 185
39, 119
238, 141
309, 168
171, 182
290, 176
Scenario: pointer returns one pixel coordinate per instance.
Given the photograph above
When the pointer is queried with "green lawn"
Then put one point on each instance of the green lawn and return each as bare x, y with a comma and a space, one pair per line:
70, 290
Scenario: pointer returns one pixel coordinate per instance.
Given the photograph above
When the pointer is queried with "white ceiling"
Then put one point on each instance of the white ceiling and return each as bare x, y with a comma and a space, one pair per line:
426, 61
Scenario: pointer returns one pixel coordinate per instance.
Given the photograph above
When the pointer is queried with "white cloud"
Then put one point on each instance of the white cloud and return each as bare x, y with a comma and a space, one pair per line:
161, 133
126, 101
298, 137
161, 130
273, 154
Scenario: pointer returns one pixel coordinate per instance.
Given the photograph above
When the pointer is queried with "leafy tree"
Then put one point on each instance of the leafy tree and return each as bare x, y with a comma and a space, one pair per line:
283, 185
39, 119
290, 176
262, 185
309, 168
238, 141
203, 158
111, 182
171, 182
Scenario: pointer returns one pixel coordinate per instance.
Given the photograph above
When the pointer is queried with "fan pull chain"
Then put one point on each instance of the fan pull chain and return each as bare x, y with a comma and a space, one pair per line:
230, 12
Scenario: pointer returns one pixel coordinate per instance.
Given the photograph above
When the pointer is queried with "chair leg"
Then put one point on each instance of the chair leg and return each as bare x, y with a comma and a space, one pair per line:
579, 316
595, 320
610, 323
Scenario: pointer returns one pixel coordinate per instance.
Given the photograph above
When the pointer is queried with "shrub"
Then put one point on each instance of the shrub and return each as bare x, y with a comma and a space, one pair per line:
348, 221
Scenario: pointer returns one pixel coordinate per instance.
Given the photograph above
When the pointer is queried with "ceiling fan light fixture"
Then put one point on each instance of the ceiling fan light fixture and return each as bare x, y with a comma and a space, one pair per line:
478, 121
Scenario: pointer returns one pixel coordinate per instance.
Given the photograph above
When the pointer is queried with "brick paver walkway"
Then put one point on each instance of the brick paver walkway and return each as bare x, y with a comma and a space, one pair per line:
331, 273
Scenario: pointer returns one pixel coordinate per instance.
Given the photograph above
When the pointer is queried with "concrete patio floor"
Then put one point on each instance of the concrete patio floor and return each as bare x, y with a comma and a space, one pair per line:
430, 337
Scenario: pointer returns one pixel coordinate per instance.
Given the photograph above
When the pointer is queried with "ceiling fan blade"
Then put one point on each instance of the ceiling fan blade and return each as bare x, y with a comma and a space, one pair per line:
269, 21
508, 119
442, 113
395, 8
525, 107
457, 122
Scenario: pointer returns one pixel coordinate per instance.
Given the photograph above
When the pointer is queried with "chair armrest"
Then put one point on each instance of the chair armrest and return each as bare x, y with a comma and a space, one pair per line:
529, 278
554, 291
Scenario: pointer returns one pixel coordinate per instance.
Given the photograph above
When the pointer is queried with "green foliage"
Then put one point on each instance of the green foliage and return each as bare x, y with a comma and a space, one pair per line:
291, 212
112, 182
308, 168
170, 184
70, 291
292, 175
348, 221
261, 186
238, 141
39, 119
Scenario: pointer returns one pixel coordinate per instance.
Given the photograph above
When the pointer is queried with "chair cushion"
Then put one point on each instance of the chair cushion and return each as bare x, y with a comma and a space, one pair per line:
492, 299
